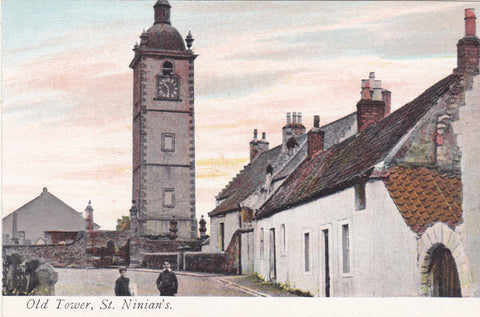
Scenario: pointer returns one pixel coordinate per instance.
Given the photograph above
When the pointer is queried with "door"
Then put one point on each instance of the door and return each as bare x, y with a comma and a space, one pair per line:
326, 262
272, 258
443, 274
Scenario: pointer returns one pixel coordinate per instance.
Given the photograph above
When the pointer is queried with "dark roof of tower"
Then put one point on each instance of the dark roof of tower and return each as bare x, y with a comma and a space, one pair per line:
163, 36
161, 2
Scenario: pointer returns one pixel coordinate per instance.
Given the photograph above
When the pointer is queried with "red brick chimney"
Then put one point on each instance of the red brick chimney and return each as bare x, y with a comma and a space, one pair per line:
371, 108
258, 146
468, 48
315, 138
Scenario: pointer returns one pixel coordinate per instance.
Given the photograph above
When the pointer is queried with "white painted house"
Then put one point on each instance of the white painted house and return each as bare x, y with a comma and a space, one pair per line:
392, 210
383, 213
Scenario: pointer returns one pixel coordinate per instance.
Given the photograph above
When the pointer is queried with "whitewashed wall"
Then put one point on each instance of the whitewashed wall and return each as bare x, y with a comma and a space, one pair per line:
468, 131
231, 224
383, 248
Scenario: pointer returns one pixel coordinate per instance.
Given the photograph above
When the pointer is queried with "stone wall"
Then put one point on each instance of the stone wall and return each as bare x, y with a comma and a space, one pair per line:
233, 263
204, 262
155, 260
59, 255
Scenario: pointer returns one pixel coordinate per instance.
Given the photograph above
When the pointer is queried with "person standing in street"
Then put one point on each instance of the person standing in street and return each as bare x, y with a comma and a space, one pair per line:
167, 282
122, 284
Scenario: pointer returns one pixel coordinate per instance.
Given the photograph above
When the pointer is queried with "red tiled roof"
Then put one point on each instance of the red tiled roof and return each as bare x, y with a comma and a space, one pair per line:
425, 196
347, 162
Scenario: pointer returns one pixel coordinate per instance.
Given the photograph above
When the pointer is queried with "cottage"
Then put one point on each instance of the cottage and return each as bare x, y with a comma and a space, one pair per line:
389, 211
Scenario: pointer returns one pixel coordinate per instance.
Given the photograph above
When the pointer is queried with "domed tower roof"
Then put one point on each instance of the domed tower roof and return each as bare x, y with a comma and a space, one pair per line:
162, 35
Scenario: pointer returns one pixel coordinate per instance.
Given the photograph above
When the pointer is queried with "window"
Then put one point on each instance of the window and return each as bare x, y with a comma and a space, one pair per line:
345, 249
168, 142
261, 243
221, 236
21, 235
360, 199
307, 251
167, 69
282, 240
168, 197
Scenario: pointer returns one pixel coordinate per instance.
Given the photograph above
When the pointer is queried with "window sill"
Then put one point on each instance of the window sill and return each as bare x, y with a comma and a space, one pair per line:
167, 99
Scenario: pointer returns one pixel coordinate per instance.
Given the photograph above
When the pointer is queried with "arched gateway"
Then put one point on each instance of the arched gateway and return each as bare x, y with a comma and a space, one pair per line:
443, 280
443, 265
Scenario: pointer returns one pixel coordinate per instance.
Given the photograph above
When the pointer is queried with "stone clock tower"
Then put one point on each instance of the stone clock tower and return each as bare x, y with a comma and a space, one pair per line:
163, 132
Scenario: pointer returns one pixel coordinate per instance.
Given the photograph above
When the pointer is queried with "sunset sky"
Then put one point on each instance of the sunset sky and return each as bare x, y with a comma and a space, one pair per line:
67, 88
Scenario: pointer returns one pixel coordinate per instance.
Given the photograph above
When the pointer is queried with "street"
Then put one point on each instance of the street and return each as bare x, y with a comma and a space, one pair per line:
101, 282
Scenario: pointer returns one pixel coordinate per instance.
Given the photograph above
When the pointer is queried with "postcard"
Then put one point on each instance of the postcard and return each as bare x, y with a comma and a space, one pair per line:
242, 157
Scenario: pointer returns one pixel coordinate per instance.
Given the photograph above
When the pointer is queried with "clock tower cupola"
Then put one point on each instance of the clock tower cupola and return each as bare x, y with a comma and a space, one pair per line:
163, 131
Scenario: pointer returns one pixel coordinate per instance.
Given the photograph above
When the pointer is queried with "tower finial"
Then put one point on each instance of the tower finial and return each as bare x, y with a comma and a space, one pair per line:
189, 39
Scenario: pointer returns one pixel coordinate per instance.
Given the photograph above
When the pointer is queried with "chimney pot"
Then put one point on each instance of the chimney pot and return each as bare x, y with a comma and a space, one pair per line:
294, 119
264, 136
316, 121
289, 118
255, 132
377, 90
365, 89
371, 79
299, 118
470, 23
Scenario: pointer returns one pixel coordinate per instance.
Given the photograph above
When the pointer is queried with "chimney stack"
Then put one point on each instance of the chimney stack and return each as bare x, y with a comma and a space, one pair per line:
315, 138
258, 146
468, 48
89, 216
294, 128
372, 107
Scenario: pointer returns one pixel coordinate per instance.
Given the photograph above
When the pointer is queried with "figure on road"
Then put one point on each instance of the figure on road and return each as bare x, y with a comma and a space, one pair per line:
122, 285
167, 282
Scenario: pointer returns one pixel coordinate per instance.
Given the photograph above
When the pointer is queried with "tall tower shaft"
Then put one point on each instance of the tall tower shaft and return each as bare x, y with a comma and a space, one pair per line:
163, 131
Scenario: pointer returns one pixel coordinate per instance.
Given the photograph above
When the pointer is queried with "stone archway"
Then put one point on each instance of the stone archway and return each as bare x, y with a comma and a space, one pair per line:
442, 258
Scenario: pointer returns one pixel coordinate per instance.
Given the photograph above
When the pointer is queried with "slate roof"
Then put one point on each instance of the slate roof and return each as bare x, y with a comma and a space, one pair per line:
425, 196
246, 182
346, 163
253, 175
44, 204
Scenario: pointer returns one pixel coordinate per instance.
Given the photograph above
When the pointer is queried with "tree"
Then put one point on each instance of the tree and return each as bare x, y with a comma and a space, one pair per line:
123, 223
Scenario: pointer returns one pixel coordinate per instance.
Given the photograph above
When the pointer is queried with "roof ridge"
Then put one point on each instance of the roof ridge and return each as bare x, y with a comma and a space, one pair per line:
343, 161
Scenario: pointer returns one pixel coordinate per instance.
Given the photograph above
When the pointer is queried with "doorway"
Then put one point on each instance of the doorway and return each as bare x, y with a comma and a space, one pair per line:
272, 258
443, 279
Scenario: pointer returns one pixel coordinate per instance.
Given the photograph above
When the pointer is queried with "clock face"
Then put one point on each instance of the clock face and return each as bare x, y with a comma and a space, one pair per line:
168, 88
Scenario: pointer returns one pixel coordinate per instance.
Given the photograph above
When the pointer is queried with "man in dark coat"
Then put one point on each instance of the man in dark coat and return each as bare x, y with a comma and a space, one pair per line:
167, 282
122, 283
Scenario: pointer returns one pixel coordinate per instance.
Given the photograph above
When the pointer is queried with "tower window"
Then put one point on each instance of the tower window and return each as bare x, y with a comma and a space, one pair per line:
168, 142
168, 197
167, 69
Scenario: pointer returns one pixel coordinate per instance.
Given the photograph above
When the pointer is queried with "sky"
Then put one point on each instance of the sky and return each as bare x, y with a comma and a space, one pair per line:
67, 88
